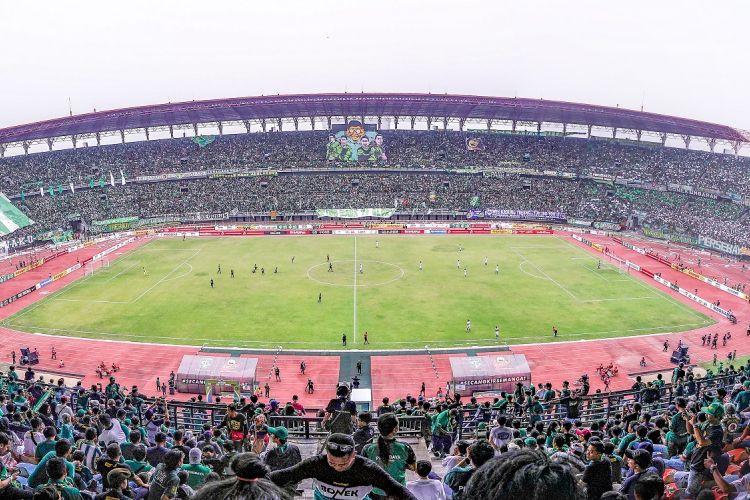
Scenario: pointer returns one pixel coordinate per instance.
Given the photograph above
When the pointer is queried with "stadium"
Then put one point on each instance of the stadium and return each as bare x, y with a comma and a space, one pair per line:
452, 262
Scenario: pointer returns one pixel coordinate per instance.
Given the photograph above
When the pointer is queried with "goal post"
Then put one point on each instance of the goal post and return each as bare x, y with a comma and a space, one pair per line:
95, 265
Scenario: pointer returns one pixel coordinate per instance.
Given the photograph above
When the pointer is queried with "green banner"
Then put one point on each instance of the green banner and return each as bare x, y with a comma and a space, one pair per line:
356, 213
119, 224
665, 235
203, 140
11, 218
55, 236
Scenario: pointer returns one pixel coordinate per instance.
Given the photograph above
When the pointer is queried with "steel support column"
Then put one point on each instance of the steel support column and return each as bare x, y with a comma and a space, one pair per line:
328, 120
312, 122
2, 150
663, 136
220, 125
122, 135
25, 145
712, 144
638, 134
461, 122
195, 129
145, 129
296, 123
50, 142
686, 139
589, 127
247, 124
278, 124
263, 124
98, 139
171, 131
395, 122
74, 140
513, 126
489, 125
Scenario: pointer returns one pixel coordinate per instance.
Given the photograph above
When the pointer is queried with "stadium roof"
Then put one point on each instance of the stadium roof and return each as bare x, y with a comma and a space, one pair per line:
355, 105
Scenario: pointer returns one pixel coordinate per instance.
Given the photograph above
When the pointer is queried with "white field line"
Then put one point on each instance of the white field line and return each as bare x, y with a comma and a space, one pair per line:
452, 342
354, 320
162, 280
548, 277
120, 273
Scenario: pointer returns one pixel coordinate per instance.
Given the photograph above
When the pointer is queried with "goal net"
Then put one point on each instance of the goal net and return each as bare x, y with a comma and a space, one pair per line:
94, 266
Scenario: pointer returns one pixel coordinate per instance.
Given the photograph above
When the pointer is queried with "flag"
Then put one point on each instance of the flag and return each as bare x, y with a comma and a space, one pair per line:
51, 190
91, 183
41, 190
111, 179
72, 188
474, 201
122, 178
60, 189
101, 182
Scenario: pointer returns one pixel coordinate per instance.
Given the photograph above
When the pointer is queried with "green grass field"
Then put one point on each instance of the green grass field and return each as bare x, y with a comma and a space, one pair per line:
543, 281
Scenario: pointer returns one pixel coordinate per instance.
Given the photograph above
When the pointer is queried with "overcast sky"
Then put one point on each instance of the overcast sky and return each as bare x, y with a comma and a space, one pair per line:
685, 58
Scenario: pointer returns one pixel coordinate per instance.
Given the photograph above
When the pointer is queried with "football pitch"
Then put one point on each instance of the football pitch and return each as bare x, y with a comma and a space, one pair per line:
161, 292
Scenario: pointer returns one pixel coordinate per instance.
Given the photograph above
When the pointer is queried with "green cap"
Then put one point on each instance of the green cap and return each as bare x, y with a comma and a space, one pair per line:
746, 383
81, 412
280, 432
529, 441
714, 409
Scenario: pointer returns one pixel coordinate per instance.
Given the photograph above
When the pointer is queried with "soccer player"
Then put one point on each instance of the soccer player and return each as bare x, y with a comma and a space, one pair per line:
420, 268
497, 268
458, 263
330, 267
212, 282
276, 270
343, 340
468, 326
218, 271
599, 264
320, 297
377, 244
360, 269
466, 273
231, 273
554, 331
497, 333
292, 259
328, 258
263, 271
367, 341
144, 272
485, 260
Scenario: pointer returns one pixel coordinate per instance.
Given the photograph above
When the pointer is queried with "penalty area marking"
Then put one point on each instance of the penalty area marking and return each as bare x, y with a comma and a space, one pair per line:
400, 269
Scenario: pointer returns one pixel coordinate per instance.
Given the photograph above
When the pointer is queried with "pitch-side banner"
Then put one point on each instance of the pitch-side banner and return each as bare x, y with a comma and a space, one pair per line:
356, 213
693, 297
493, 213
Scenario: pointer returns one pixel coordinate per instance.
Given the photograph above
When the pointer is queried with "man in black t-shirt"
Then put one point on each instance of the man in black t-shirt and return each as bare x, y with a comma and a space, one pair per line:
236, 424
341, 473
708, 440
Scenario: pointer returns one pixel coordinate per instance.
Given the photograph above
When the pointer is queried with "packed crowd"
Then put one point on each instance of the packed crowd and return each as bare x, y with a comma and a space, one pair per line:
687, 440
405, 149
406, 192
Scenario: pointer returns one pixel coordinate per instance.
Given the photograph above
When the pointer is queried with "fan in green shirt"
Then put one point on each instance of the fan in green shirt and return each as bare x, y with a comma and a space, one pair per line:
392, 455
57, 471
197, 472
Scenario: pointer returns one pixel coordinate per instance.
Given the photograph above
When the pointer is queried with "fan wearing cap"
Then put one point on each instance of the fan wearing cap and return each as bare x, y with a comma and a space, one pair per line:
341, 473
118, 485
708, 443
283, 455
